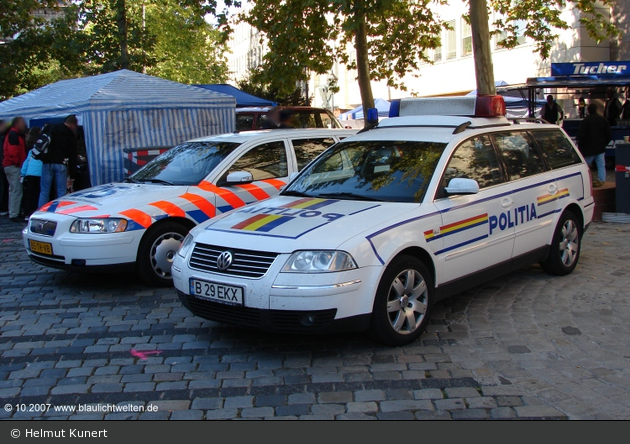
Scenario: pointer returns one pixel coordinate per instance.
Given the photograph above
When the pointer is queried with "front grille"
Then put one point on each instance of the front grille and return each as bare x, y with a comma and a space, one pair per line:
274, 320
245, 263
45, 227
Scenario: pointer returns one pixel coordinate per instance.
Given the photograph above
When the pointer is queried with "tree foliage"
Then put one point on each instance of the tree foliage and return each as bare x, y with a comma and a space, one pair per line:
543, 18
187, 48
305, 36
170, 40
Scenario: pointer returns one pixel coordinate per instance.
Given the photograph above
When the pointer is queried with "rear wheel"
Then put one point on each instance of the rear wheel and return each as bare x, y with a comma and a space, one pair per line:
157, 251
565, 247
403, 302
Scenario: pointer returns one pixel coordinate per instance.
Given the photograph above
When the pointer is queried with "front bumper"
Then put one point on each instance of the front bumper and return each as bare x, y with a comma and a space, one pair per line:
76, 251
282, 321
287, 302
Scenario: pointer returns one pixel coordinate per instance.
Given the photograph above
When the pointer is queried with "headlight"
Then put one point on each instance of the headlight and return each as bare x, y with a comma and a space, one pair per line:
319, 262
185, 247
108, 225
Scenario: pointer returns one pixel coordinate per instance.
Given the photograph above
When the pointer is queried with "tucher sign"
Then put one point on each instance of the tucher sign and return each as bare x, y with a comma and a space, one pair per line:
591, 69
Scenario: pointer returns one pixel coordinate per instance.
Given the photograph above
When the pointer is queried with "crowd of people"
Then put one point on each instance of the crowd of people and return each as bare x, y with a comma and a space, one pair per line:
32, 174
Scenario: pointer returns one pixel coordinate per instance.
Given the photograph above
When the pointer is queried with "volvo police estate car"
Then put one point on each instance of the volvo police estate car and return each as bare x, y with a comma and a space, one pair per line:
385, 223
140, 223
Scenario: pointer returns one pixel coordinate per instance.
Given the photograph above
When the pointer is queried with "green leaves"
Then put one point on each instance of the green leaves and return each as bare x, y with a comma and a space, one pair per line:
169, 38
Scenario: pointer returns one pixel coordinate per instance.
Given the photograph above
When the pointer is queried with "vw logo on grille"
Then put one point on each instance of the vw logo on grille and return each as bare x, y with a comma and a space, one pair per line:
224, 260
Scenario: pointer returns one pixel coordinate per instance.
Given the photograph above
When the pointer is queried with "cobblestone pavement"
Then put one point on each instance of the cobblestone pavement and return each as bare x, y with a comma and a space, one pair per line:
523, 346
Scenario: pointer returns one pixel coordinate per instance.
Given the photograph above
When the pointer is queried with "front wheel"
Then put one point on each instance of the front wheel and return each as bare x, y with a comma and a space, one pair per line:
403, 302
564, 252
157, 251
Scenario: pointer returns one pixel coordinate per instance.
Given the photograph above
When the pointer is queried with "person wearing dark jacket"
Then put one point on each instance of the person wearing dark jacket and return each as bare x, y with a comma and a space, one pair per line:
593, 136
14, 151
60, 163
4, 185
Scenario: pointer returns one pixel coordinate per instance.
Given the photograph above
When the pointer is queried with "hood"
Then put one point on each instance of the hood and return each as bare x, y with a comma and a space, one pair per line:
275, 224
111, 199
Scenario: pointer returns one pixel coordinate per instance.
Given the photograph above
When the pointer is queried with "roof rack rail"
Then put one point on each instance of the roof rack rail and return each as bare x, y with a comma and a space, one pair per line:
519, 120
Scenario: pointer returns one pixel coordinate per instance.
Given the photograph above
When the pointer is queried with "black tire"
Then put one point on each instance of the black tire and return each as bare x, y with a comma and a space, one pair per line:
411, 310
564, 252
157, 250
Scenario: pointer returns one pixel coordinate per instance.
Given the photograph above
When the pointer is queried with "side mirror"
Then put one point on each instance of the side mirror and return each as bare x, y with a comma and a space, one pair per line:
462, 186
239, 177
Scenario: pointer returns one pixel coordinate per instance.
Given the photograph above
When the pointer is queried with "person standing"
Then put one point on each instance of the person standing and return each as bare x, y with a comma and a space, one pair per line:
593, 136
14, 151
612, 112
4, 185
625, 110
31, 174
60, 163
551, 111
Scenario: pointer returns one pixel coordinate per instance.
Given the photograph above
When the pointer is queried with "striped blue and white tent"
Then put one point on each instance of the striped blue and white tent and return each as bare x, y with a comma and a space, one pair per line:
126, 109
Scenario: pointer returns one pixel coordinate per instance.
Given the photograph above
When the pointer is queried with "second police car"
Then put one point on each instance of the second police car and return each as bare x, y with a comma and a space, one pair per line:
140, 224
385, 223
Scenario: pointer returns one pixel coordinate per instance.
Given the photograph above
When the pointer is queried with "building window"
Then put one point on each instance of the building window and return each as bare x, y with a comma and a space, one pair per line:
467, 44
451, 41
437, 54
520, 35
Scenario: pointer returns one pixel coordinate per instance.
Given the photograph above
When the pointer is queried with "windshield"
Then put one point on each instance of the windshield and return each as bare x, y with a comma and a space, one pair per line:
186, 164
387, 171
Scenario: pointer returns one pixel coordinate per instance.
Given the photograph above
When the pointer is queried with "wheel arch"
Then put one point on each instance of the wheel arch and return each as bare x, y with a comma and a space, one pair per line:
422, 255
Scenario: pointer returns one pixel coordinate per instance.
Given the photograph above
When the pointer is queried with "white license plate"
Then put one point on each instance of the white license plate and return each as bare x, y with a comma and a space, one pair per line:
223, 294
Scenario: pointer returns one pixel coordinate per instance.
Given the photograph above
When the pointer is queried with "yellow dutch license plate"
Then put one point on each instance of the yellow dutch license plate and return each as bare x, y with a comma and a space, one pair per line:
41, 247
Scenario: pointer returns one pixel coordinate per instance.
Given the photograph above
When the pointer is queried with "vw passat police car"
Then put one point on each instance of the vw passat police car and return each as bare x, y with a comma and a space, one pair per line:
385, 223
140, 224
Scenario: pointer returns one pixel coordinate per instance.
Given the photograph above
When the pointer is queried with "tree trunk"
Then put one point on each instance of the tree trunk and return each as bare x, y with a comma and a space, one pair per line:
121, 20
484, 71
363, 68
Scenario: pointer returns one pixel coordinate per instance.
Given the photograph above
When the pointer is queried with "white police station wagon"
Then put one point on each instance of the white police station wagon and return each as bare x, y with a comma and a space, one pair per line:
384, 224
140, 224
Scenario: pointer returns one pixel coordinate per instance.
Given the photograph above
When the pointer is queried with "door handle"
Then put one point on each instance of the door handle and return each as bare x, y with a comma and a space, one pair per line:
552, 189
506, 202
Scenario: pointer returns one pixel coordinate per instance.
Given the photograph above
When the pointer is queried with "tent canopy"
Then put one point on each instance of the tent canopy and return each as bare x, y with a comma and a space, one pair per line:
125, 109
381, 105
243, 99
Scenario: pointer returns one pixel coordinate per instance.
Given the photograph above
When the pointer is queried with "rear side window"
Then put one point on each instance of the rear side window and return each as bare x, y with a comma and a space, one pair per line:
474, 159
308, 149
556, 149
520, 155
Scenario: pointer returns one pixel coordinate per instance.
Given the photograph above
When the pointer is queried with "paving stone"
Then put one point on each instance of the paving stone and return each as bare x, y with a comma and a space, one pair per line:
395, 416
538, 411
450, 404
207, 403
301, 398
293, 410
461, 392
428, 394
239, 402
187, 415
334, 397
222, 414
257, 412
401, 405
362, 407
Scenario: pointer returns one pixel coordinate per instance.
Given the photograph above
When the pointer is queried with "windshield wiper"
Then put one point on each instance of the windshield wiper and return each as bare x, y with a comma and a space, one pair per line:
348, 196
294, 193
130, 180
163, 182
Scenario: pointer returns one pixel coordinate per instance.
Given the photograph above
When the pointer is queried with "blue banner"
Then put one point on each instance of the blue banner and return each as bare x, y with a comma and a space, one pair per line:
601, 69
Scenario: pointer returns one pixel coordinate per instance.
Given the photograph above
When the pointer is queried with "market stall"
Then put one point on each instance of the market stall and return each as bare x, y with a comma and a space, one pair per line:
125, 112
